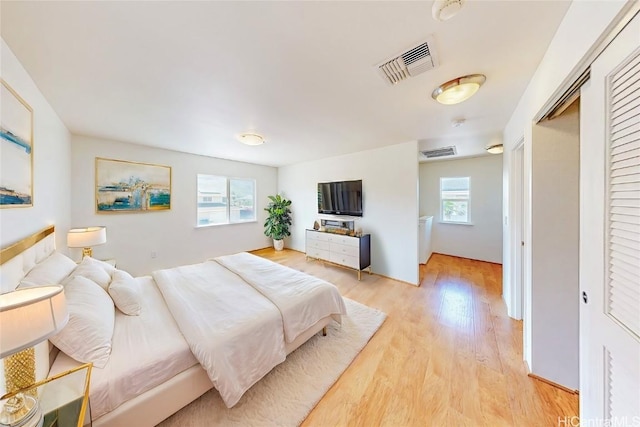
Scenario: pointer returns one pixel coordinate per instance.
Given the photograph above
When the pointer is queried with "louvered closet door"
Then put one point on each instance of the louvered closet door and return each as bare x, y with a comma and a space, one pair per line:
610, 235
623, 237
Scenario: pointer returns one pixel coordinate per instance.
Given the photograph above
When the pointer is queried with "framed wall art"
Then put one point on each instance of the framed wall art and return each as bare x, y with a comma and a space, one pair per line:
16, 149
123, 186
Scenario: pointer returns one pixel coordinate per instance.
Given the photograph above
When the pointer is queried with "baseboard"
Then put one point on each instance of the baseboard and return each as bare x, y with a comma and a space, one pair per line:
556, 385
397, 280
463, 257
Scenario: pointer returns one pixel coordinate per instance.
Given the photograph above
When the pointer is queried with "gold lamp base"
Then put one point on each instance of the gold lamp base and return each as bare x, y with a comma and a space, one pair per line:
87, 252
21, 411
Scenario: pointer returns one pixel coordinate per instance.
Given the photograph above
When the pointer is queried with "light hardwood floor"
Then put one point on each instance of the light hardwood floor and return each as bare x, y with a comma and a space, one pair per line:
447, 355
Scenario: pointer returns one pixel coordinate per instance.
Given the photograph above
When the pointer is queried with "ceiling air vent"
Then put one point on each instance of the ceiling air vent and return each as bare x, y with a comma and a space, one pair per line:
414, 61
439, 152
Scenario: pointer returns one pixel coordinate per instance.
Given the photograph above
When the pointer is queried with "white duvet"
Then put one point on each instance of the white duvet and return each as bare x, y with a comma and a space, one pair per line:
236, 335
237, 311
302, 299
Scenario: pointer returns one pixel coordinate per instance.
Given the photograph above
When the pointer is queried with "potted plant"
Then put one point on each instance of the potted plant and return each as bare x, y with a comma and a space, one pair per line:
279, 220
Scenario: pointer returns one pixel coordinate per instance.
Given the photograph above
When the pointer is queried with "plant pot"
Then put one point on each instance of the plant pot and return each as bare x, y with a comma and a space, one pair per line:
278, 244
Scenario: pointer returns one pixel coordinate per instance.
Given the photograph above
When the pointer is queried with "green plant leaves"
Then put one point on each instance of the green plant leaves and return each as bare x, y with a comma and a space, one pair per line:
279, 220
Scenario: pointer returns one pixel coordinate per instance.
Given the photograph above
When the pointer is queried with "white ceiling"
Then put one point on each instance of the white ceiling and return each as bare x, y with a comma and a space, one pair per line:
188, 76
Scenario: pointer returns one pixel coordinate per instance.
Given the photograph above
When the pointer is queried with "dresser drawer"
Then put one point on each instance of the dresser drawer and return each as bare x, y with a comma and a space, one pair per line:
344, 249
318, 235
345, 240
318, 244
318, 253
346, 260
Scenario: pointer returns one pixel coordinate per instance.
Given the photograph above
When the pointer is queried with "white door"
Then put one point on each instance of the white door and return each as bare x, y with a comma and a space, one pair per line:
610, 235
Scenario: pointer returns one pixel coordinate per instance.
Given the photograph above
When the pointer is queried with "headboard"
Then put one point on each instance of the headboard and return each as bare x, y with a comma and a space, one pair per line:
18, 259
15, 262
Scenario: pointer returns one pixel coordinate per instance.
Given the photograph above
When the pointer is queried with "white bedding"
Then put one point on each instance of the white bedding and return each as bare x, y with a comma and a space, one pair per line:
161, 352
235, 333
290, 290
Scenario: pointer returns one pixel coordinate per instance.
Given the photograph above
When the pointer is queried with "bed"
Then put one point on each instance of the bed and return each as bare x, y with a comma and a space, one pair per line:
185, 336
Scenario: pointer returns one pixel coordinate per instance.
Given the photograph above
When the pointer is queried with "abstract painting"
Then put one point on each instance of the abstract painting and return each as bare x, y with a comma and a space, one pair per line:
123, 186
16, 150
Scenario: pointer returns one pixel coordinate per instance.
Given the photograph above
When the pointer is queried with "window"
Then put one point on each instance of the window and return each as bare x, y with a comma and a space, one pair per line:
454, 200
223, 200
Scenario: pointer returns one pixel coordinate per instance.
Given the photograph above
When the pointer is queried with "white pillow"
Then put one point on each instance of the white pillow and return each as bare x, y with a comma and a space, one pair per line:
125, 292
87, 336
102, 264
93, 269
52, 271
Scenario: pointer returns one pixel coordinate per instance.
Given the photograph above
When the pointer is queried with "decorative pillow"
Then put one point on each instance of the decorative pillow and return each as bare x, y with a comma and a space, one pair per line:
87, 336
125, 292
52, 271
96, 270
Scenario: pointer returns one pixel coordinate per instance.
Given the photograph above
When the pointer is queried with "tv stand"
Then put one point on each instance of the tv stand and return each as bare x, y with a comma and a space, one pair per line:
344, 250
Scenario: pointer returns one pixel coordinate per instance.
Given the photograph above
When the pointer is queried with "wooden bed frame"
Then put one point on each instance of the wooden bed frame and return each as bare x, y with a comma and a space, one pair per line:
146, 409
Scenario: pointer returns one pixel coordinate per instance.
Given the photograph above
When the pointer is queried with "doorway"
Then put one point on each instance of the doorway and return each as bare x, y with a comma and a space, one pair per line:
552, 245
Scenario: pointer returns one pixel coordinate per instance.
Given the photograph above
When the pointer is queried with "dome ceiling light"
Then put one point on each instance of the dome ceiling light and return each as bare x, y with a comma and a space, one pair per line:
444, 10
251, 138
495, 148
459, 89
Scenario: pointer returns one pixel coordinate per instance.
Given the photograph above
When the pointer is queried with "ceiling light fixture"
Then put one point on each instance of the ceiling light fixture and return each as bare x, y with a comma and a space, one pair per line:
459, 89
250, 138
495, 148
443, 10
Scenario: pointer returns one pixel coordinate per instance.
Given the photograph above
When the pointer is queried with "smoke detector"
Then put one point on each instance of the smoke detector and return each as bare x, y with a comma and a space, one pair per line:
444, 10
456, 123
413, 61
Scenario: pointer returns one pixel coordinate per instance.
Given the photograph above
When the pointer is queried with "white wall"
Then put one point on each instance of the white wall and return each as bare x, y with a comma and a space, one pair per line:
555, 246
483, 239
390, 202
583, 24
172, 234
51, 163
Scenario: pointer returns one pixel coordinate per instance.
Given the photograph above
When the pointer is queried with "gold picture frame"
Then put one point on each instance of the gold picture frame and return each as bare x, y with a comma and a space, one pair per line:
122, 186
16, 149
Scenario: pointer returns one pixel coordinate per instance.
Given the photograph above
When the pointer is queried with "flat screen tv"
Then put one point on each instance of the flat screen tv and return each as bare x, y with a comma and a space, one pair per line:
340, 198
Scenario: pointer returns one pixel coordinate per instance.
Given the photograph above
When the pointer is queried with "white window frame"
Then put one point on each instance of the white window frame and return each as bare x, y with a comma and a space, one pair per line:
468, 200
228, 221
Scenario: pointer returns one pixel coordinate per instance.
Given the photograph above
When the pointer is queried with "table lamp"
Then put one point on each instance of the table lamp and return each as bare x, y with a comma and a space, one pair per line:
28, 316
85, 238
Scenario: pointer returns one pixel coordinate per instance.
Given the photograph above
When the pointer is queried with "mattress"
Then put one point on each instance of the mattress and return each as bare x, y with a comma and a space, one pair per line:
161, 352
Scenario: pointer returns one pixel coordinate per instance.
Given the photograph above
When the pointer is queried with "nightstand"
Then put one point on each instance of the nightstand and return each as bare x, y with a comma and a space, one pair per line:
63, 398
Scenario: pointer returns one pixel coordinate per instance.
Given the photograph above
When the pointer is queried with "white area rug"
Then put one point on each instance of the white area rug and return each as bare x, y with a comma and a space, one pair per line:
286, 395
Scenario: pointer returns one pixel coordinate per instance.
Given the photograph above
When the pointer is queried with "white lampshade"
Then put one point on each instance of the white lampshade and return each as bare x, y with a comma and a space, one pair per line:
86, 237
29, 316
